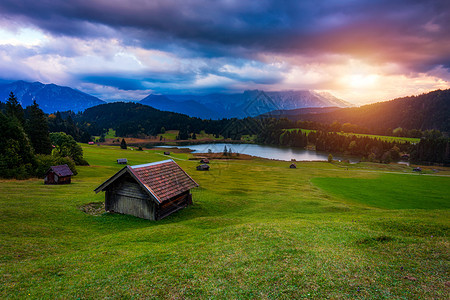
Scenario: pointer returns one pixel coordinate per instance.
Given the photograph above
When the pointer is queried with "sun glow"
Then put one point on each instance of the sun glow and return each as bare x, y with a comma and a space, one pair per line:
361, 81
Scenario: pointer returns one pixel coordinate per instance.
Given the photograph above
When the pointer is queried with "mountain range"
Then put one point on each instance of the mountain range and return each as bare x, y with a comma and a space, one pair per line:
50, 97
250, 103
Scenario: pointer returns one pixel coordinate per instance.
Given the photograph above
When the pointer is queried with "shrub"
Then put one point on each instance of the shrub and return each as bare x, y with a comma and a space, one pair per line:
330, 158
123, 144
19, 172
386, 158
44, 162
65, 146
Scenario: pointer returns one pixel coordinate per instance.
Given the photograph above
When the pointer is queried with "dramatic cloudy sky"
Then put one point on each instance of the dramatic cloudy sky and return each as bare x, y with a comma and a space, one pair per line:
359, 50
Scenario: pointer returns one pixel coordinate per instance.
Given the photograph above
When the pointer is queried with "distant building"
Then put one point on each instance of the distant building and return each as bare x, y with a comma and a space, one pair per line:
203, 167
150, 191
122, 161
58, 175
204, 161
166, 153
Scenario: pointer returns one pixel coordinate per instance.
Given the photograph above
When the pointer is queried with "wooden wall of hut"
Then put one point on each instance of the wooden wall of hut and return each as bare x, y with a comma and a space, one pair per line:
125, 196
53, 178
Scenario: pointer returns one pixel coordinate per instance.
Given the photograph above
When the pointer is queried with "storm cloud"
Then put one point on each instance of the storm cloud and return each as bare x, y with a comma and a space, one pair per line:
259, 43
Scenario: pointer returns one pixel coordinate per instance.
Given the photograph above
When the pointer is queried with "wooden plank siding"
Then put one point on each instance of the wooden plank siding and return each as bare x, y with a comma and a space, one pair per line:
53, 178
138, 207
127, 197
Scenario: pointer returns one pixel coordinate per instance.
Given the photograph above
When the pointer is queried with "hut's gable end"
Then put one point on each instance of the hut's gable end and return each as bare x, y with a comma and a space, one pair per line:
126, 196
127, 186
124, 174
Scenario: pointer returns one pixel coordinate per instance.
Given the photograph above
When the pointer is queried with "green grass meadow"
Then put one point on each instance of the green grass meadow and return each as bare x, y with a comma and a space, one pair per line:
257, 230
386, 138
380, 137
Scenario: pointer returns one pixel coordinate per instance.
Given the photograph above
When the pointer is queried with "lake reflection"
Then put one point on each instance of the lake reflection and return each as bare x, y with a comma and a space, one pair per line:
264, 151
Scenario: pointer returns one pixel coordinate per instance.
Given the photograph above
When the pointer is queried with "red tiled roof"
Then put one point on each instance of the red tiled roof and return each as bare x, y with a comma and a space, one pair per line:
61, 170
164, 179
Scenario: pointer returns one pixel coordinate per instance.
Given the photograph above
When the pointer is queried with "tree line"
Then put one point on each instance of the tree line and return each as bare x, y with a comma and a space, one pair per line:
28, 148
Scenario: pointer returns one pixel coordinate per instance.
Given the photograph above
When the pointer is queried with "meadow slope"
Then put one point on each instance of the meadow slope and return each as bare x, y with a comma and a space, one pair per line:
257, 229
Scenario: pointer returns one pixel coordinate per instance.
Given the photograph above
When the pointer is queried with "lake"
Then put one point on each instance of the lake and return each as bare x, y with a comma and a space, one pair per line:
264, 151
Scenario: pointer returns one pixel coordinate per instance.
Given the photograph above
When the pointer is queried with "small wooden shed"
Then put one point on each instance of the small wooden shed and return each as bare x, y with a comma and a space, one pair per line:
58, 175
150, 191
203, 167
122, 161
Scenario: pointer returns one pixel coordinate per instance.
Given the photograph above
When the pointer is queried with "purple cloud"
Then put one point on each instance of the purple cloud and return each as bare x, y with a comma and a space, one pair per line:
412, 34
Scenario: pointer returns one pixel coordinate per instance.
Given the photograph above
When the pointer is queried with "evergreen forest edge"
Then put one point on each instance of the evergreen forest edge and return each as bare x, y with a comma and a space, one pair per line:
33, 141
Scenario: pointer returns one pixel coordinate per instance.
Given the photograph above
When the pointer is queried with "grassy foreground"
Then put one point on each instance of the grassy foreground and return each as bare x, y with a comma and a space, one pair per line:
257, 229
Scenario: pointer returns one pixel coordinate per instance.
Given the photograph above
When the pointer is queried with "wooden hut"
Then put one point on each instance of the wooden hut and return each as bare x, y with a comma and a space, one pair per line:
293, 166
204, 161
58, 175
203, 167
122, 161
150, 191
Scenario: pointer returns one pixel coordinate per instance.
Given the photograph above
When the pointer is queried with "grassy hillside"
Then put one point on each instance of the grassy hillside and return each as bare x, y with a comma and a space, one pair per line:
396, 139
257, 229
426, 111
380, 137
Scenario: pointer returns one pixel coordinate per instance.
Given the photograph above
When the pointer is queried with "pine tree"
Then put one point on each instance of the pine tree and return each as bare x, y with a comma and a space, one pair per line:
36, 127
123, 144
14, 109
183, 134
16, 154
